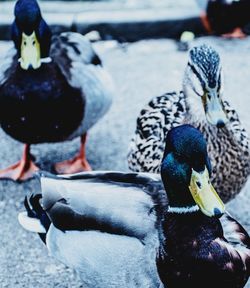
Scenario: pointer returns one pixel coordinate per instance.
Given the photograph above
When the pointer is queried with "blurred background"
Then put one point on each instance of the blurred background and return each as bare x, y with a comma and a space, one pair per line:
123, 20
142, 45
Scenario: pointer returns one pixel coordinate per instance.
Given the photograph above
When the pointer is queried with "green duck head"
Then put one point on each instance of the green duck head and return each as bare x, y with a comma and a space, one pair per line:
185, 172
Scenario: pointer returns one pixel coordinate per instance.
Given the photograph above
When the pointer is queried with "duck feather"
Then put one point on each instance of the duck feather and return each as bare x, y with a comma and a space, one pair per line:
110, 222
6, 63
82, 68
101, 201
228, 147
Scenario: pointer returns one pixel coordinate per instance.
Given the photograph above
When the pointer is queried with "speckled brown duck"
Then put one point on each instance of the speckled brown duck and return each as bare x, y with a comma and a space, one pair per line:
202, 104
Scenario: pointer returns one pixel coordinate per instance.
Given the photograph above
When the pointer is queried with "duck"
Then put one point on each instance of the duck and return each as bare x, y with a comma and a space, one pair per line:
53, 88
201, 104
120, 229
229, 18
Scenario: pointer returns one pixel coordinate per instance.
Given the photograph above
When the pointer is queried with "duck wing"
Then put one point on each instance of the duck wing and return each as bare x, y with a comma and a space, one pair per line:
155, 120
237, 240
7, 62
240, 134
82, 68
68, 48
111, 202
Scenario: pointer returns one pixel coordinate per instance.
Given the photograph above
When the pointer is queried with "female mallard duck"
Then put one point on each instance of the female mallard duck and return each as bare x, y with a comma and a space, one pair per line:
201, 105
225, 17
51, 89
116, 229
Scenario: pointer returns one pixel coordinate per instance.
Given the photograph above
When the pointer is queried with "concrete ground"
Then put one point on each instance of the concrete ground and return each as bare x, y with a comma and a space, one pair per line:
140, 71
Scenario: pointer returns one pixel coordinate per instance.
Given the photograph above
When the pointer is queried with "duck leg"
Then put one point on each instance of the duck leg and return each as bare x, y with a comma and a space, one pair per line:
77, 164
22, 170
237, 33
206, 23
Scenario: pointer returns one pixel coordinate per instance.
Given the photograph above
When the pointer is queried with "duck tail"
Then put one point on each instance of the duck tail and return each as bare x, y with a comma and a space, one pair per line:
35, 218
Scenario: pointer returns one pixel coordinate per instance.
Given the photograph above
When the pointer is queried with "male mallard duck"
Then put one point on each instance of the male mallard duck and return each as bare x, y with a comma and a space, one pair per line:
116, 229
51, 89
201, 105
225, 17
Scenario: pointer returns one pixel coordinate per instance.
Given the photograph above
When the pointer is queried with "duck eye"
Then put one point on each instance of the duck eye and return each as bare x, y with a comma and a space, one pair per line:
209, 96
33, 43
198, 183
24, 43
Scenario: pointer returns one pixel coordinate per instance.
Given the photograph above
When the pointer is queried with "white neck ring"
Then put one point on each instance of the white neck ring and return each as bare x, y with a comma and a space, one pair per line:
183, 210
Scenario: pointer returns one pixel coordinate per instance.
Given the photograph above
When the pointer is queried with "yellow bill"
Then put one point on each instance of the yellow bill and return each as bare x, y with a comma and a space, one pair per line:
205, 195
30, 52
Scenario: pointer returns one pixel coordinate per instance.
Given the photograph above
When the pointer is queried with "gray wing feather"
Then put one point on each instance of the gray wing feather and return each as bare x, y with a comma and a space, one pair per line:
116, 203
81, 66
238, 240
234, 232
6, 64
68, 48
119, 204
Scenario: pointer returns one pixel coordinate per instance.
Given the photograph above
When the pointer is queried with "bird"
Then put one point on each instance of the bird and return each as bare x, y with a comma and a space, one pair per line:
201, 104
229, 18
103, 226
53, 88
120, 229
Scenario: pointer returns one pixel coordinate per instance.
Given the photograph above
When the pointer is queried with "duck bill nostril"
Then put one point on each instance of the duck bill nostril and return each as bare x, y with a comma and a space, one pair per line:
220, 124
215, 113
205, 197
217, 212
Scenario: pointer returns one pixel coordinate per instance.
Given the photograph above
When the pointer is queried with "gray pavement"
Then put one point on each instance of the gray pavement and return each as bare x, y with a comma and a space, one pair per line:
140, 71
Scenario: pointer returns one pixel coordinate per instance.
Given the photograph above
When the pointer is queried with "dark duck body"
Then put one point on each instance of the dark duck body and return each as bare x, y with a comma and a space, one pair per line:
196, 252
52, 89
201, 246
40, 106
125, 230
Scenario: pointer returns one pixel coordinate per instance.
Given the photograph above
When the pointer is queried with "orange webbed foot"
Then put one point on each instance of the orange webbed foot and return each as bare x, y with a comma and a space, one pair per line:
22, 170
77, 164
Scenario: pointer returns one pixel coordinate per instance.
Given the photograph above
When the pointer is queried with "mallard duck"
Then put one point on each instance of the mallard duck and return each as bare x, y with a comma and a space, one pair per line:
52, 89
225, 17
118, 229
201, 105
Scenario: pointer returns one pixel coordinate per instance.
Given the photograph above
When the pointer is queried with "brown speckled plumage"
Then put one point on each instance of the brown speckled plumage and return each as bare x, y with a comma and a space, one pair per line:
228, 143
228, 147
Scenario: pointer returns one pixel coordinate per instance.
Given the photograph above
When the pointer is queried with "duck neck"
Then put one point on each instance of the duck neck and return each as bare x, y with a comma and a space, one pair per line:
181, 201
232, 132
183, 209
195, 112
196, 116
